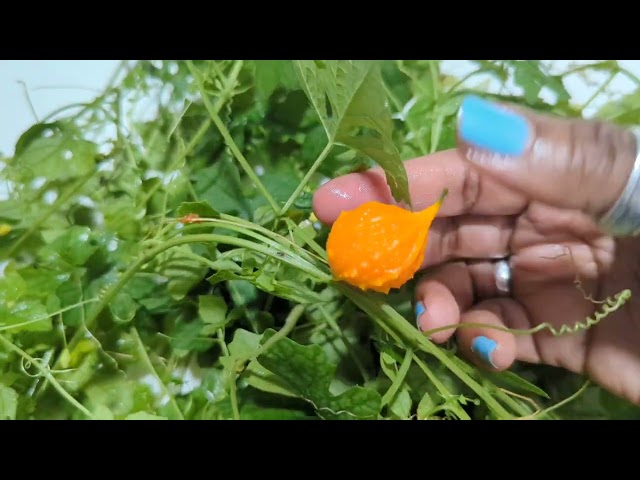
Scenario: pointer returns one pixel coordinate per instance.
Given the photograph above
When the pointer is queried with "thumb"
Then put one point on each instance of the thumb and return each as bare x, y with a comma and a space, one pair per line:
568, 163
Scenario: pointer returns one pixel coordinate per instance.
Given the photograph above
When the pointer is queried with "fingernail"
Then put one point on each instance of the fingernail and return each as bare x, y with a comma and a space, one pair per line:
491, 127
484, 347
419, 310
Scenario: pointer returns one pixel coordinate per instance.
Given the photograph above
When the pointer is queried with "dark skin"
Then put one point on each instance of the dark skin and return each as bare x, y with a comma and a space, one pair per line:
541, 211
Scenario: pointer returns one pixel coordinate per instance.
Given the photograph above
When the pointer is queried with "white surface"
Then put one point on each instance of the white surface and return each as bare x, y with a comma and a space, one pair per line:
55, 83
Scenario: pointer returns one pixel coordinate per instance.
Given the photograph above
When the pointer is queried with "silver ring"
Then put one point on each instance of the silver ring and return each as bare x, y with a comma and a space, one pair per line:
623, 219
502, 273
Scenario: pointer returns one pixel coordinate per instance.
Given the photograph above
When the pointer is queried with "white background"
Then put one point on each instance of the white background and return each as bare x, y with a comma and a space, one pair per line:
55, 83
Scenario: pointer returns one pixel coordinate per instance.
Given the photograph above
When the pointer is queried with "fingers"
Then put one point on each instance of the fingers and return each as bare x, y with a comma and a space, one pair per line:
447, 292
441, 297
567, 163
445, 298
488, 347
468, 237
469, 191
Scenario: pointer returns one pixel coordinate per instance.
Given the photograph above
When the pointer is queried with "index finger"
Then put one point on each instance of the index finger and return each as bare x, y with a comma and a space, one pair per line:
471, 191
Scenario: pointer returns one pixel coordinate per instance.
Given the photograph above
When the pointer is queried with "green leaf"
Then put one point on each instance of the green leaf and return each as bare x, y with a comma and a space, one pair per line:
144, 416
58, 157
425, 407
532, 79
182, 272
401, 404
123, 308
202, 209
244, 343
8, 403
271, 74
12, 286
623, 111
32, 315
306, 371
189, 337
102, 412
220, 186
213, 311
75, 246
513, 380
251, 412
351, 101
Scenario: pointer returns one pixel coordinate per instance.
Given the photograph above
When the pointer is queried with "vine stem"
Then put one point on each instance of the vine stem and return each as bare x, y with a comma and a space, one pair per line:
147, 362
559, 404
217, 121
289, 324
347, 343
600, 89
110, 293
47, 374
394, 320
310, 172
399, 380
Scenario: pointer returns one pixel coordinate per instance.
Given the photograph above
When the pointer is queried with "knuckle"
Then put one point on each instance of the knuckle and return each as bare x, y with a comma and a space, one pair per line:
599, 152
470, 189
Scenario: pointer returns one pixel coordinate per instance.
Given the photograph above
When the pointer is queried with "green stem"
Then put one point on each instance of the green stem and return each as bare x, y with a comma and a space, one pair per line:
47, 374
14, 326
147, 362
347, 343
563, 402
306, 178
436, 130
469, 75
110, 293
229, 140
289, 324
634, 78
434, 379
408, 120
457, 409
597, 93
187, 151
239, 364
399, 324
397, 382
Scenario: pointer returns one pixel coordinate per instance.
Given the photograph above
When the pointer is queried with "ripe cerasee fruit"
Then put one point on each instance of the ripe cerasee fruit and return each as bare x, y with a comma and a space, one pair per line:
377, 246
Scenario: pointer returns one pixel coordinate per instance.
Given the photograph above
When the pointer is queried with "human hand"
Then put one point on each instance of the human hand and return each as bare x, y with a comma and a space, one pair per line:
529, 188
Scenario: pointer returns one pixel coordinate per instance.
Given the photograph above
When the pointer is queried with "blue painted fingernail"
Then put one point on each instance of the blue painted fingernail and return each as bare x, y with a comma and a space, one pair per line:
419, 310
484, 348
491, 127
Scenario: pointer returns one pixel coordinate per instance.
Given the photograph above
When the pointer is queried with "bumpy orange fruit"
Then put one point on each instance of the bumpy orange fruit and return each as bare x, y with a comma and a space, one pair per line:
378, 246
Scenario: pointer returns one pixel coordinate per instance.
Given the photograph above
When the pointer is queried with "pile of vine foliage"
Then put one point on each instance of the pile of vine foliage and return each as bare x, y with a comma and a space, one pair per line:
110, 308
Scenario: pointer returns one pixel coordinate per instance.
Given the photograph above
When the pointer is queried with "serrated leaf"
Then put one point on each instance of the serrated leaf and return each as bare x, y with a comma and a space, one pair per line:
532, 79
271, 74
307, 372
8, 403
350, 99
